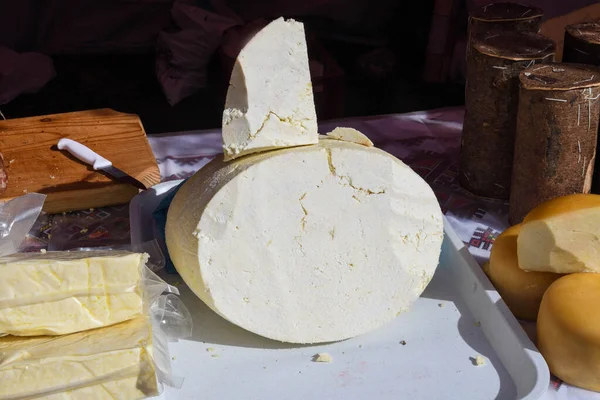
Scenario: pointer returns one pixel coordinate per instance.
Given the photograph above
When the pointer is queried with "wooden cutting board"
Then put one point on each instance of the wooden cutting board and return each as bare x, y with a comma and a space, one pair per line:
34, 163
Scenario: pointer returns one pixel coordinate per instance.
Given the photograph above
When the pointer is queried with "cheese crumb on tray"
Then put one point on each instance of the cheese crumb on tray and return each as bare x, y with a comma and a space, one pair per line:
322, 358
478, 361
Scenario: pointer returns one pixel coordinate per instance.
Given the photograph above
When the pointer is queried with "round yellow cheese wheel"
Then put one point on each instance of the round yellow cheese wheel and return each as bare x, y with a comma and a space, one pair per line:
568, 329
521, 291
563, 205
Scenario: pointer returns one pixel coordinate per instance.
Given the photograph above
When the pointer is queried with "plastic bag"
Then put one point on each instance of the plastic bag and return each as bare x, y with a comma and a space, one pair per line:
94, 227
69, 296
17, 216
156, 260
160, 310
128, 360
171, 321
163, 312
160, 217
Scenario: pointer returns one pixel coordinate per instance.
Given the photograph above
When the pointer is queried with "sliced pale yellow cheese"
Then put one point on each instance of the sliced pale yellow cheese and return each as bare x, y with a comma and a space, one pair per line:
122, 389
307, 244
115, 360
562, 235
350, 135
64, 292
568, 329
270, 102
521, 291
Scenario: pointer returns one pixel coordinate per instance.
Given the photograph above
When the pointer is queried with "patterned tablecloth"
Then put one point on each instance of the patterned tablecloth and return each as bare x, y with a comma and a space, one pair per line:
427, 141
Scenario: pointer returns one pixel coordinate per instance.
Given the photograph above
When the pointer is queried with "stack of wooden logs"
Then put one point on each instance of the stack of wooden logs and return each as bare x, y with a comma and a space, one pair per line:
531, 124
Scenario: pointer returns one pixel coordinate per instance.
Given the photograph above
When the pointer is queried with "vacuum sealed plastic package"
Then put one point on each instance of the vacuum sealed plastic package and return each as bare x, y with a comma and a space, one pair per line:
17, 216
87, 323
156, 260
93, 227
57, 293
129, 360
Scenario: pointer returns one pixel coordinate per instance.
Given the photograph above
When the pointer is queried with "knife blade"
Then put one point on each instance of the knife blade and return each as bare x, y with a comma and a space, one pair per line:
99, 163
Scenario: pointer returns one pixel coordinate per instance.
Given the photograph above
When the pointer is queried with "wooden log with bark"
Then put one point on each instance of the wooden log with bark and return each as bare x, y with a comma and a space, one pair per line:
556, 137
505, 16
491, 108
582, 43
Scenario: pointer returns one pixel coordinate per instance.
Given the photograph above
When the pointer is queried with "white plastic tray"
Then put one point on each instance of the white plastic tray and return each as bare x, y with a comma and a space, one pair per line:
459, 316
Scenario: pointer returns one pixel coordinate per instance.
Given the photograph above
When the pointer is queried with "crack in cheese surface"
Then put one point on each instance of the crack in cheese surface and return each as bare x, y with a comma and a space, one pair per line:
108, 363
64, 292
270, 101
308, 244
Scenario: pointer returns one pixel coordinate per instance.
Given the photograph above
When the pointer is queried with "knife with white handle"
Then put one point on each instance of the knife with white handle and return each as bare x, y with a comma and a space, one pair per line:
97, 162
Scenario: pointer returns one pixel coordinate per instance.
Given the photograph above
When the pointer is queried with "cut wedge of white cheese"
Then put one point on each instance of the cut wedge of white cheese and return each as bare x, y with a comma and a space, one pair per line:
57, 293
106, 363
308, 244
270, 101
562, 235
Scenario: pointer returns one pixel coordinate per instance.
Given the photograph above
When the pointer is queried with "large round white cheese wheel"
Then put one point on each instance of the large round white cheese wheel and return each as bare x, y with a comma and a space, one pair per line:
309, 244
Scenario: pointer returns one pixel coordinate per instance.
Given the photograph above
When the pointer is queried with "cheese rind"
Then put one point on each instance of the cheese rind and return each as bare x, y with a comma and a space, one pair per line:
94, 363
308, 244
562, 236
521, 291
64, 292
270, 101
568, 329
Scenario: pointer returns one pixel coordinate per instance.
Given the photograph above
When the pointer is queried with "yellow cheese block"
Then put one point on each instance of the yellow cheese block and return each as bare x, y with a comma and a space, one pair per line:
568, 329
522, 291
107, 363
65, 292
562, 236
122, 389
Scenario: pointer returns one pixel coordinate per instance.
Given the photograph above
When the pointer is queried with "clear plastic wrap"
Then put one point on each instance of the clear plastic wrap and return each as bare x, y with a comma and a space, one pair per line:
56, 293
129, 360
93, 227
171, 321
156, 260
17, 216
82, 353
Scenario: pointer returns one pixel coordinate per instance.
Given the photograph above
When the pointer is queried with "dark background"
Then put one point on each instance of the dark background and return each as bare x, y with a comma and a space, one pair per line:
128, 83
